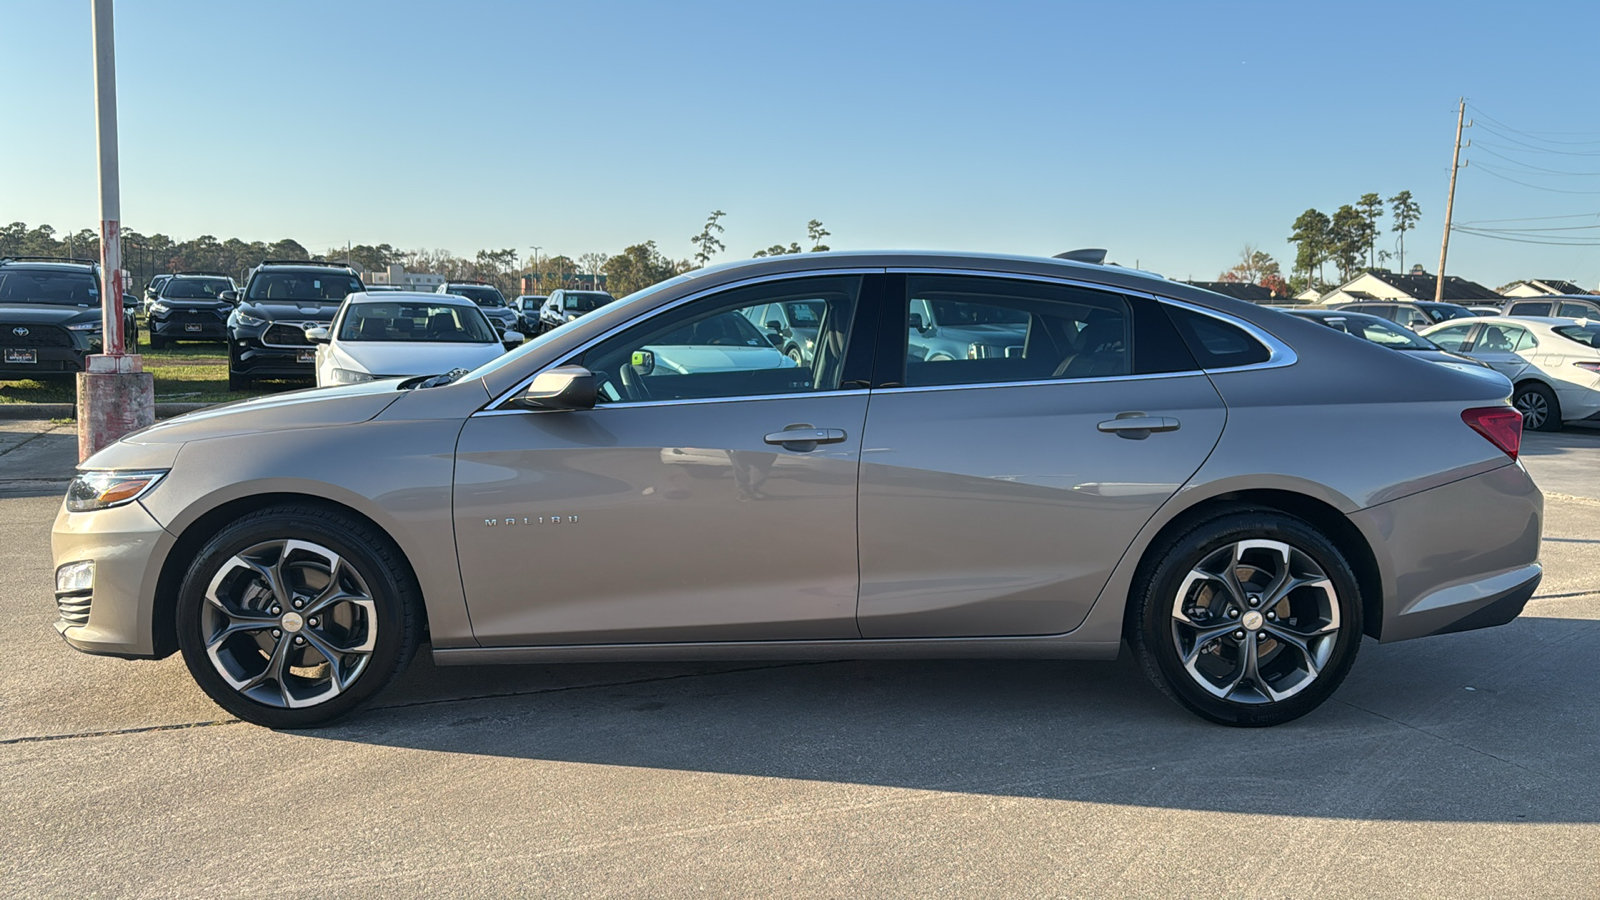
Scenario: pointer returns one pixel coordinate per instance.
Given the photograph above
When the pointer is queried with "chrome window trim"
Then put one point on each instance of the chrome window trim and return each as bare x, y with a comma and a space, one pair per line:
490, 407
1279, 354
631, 404
1098, 379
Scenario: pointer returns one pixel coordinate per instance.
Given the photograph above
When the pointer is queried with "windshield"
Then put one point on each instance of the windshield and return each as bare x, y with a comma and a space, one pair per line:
1584, 334
430, 322
195, 288
57, 288
318, 287
724, 329
481, 294
586, 302
1446, 312
1385, 332
953, 312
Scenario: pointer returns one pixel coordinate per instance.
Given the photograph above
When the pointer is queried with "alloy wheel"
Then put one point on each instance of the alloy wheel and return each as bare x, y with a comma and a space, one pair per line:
1255, 621
289, 623
1534, 409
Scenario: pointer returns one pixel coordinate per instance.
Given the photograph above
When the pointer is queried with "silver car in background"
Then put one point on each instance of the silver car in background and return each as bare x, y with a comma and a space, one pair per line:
1237, 494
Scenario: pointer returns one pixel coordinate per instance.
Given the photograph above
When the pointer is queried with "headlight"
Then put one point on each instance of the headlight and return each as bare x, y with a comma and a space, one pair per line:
572, 317
102, 490
810, 343
349, 376
250, 321
84, 326
160, 306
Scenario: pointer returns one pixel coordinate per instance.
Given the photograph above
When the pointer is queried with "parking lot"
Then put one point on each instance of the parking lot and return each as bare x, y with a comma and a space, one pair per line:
1461, 765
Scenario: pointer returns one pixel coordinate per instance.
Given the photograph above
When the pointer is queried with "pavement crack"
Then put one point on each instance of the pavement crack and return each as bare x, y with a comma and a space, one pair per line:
1442, 738
114, 732
1563, 596
29, 439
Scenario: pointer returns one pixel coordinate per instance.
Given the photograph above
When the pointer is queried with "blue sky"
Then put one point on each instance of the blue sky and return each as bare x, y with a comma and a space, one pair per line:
1171, 133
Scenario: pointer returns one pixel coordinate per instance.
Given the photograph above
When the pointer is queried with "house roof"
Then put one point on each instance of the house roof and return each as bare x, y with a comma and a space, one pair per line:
1548, 286
1420, 287
1240, 290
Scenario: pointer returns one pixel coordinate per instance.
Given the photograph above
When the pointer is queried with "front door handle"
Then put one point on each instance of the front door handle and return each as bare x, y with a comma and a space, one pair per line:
805, 438
1136, 426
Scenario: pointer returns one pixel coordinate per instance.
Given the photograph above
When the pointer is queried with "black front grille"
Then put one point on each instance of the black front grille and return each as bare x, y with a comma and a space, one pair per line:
33, 335
286, 336
74, 608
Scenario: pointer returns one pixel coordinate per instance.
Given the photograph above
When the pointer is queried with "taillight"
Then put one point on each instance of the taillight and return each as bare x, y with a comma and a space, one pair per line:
1500, 425
1591, 366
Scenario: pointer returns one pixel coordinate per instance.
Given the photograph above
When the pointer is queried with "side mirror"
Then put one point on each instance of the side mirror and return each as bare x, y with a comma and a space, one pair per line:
230, 296
916, 322
774, 325
512, 338
561, 388
643, 362
318, 335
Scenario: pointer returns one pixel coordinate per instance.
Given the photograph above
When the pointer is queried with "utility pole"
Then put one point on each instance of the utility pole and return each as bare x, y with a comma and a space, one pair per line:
115, 394
1449, 204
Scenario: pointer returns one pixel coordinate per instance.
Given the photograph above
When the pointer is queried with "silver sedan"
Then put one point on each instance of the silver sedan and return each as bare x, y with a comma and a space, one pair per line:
1112, 459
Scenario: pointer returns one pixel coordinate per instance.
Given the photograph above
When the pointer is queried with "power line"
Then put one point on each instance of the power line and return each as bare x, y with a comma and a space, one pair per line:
1535, 147
1531, 230
1511, 159
1536, 134
1538, 187
1550, 241
1537, 218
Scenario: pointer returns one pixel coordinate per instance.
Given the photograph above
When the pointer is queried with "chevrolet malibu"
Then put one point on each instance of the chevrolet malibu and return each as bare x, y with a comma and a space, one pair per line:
1143, 463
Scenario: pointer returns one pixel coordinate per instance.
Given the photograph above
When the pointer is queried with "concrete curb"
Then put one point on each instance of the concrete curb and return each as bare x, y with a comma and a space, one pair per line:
42, 411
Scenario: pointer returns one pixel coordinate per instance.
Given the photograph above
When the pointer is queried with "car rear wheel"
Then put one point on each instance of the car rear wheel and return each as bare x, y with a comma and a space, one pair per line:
1540, 409
1252, 618
293, 616
798, 357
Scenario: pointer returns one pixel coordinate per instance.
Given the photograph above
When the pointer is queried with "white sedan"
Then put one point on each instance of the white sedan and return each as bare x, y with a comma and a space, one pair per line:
404, 334
1554, 364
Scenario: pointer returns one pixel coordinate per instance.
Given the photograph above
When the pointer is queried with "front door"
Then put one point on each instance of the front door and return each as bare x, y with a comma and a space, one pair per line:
709, 496
1502, 346
1008, 467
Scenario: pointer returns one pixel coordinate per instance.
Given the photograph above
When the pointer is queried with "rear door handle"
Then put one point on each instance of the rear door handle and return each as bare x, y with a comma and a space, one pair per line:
804, 438
1137, 426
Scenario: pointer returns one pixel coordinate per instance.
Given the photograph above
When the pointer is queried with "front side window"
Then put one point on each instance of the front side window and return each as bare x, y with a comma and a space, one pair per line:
419, 322
1530, 309
973, 330
313, 286
1452, 338
710, 348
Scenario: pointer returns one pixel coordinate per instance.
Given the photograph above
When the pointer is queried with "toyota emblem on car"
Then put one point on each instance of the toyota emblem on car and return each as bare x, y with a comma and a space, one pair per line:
19, 331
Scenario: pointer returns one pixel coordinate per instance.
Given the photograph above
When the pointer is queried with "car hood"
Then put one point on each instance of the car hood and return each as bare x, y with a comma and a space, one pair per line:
406, 358
291, 309
46, 313
218, 305
686, 358
312, 408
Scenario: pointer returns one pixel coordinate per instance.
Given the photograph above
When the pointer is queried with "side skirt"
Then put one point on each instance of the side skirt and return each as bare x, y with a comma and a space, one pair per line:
1053, 647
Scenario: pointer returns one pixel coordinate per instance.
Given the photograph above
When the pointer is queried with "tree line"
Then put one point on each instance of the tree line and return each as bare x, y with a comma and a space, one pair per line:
634, 268
1349, 238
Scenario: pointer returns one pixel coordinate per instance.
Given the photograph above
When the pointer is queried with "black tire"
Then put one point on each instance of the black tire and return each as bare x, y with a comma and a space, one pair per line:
383, 573
1155, 630
157, 342
237, 382
1540, 408
798, 357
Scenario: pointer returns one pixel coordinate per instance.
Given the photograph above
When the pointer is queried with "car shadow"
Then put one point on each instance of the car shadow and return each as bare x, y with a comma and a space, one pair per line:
1489, 726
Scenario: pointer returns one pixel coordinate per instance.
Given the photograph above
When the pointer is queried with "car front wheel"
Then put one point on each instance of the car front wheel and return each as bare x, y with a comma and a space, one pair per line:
1252, 618
294, 615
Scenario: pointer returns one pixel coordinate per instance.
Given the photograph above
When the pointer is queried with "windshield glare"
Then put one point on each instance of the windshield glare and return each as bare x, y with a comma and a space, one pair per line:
316, 287
195, 288
429, 322
54, 288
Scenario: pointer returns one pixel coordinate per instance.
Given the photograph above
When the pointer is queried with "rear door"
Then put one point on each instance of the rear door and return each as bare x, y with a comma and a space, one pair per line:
1506, 348
1001, 484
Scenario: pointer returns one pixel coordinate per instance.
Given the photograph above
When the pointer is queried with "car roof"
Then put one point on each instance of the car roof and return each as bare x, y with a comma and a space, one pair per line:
48, 265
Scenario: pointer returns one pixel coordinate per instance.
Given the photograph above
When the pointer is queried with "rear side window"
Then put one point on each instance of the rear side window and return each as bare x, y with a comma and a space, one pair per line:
1588, 335
1452, 338
1576, 311
1217, 344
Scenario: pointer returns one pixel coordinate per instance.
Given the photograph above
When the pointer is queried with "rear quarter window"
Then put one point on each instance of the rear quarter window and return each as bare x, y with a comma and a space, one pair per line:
1214, 343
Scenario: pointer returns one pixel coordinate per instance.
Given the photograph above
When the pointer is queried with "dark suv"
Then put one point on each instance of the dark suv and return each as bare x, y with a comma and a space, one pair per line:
50, 316
189, 307
488, 298
266, 330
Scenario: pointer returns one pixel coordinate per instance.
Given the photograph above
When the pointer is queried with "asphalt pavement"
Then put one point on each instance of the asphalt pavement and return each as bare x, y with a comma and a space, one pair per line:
1456, 766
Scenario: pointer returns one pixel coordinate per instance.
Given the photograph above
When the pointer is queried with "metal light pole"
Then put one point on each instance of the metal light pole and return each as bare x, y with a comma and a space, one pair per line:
115, 394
